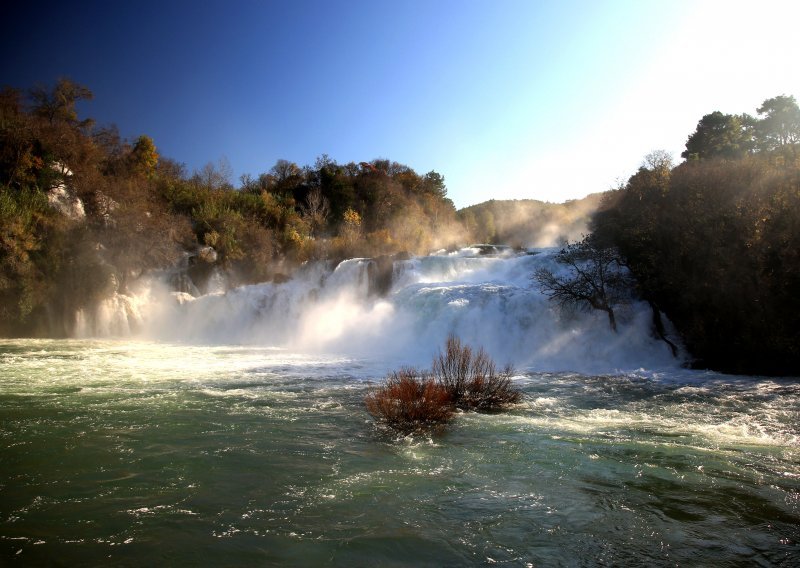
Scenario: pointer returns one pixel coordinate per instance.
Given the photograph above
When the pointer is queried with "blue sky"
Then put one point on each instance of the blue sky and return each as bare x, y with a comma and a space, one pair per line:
507, 99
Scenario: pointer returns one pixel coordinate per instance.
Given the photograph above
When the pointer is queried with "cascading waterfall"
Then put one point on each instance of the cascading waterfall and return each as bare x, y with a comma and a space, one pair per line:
487, 300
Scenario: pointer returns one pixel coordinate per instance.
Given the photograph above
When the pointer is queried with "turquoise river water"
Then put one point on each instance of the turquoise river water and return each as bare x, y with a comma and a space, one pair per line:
144, 453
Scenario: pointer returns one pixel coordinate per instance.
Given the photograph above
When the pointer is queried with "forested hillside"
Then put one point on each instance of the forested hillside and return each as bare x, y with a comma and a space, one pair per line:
529, 222
84, 211
715, 241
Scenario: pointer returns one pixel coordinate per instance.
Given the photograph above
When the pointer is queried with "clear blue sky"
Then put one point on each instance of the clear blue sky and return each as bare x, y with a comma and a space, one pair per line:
507, 99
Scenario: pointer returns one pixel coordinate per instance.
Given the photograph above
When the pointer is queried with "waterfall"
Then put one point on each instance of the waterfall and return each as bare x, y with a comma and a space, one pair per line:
399, 310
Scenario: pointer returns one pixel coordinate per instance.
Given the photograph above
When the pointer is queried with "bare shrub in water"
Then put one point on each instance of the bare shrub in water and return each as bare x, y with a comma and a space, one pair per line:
410, 400
472, 379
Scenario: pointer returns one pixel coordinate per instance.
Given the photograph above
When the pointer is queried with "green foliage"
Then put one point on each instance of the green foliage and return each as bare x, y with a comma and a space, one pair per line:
730, 137
779, 127
29, 232
325, 211
433, 183
719, 136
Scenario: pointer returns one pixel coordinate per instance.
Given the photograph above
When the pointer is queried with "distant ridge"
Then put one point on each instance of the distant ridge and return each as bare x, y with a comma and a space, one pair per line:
530, 222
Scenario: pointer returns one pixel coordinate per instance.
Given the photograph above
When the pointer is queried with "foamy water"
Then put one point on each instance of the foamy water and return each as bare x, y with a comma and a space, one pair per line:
487, 301
124, 452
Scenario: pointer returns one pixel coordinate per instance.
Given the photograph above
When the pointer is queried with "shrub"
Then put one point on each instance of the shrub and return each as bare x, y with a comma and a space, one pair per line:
472, 379
410, 400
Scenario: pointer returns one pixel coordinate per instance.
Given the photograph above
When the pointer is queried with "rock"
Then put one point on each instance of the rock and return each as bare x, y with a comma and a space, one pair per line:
63, 200
492, 250
207, 254
105, 206
380, 270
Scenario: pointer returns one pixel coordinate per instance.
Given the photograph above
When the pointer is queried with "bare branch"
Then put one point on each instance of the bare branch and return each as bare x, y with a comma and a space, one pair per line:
597, 281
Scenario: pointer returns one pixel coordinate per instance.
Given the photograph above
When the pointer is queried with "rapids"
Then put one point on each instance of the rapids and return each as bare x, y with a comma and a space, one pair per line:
120, 453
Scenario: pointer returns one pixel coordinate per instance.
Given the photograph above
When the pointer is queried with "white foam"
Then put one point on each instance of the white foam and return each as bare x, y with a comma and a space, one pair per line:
487, 301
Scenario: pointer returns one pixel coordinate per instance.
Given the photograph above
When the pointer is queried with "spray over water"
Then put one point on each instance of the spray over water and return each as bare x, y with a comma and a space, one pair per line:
487, 300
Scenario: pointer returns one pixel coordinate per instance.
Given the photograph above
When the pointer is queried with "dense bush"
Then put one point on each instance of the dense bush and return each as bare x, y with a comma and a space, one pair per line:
461, 378
410, 400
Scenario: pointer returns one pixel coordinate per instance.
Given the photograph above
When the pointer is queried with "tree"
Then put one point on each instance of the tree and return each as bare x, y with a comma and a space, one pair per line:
336, 184
351, 226
144, 157
780, 125
18, 162
596, 280
285, 171
213, 176
658, 161
59, 103
716, 249
248, 184
433, 183
316, 210
720, 135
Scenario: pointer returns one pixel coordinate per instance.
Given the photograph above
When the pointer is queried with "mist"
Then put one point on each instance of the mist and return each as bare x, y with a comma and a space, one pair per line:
529, 223
487, 301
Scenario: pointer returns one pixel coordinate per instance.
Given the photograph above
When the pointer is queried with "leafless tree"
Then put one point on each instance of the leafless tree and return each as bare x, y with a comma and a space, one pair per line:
215, 176
316, 210
597, 279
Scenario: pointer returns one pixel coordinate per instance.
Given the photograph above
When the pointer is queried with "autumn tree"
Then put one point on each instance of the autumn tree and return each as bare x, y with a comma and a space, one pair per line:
714, 246
287, 176
144, 156
18, 162
351, 226
142, 211
58, 103
214, 176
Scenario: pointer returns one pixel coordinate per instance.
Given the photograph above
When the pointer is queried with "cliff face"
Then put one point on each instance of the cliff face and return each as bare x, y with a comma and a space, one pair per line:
62, 197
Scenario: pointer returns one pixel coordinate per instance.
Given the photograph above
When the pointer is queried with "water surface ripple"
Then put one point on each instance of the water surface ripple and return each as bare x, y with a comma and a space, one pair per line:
121, 454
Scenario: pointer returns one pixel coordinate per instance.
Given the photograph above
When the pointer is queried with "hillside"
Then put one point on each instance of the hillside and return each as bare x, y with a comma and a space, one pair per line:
529, 222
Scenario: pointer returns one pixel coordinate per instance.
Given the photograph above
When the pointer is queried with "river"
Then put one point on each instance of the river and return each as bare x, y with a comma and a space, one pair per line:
145, 450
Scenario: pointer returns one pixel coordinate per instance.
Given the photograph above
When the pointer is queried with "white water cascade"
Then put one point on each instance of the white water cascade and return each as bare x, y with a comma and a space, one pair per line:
489, 301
